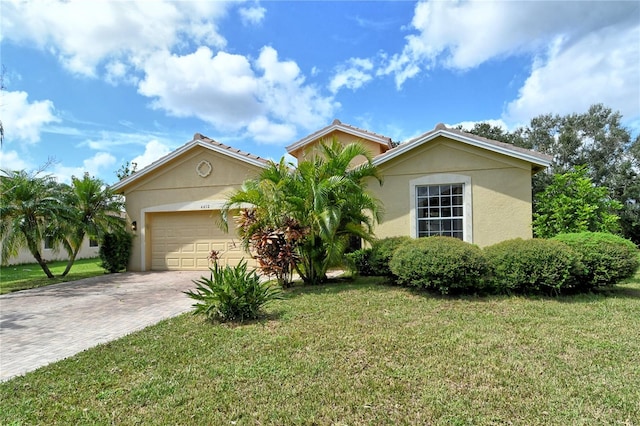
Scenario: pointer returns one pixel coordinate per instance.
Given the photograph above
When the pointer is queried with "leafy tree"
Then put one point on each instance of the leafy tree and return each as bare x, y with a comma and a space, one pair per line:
126, 170
96, 211
595, 139
323, 196
31, 210
572, 203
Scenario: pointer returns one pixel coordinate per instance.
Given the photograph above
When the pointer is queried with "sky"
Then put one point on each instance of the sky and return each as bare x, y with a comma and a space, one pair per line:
90, 85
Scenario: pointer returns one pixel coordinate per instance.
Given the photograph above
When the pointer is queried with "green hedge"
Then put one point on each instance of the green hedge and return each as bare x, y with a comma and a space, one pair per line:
607, 258
532, 266
381, 253
443, 264
115, 250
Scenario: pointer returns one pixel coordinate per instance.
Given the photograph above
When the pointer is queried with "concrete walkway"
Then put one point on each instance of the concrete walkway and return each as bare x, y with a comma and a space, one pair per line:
43, 325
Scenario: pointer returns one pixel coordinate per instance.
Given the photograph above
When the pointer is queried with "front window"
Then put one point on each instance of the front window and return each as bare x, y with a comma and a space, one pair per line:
440, 210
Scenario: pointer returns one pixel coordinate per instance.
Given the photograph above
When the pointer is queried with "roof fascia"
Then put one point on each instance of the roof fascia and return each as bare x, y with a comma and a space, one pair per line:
346, 129
402, 148
184, 148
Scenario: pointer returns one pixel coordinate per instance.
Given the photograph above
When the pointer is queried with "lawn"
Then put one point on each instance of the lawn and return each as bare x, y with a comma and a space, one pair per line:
360, 352
22, 277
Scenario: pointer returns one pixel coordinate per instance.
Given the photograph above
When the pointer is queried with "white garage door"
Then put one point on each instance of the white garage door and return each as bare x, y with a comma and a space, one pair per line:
183, 240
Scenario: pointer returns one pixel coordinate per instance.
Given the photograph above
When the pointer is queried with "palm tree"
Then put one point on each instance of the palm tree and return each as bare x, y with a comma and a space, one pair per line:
96, 211
31, 210
324, 195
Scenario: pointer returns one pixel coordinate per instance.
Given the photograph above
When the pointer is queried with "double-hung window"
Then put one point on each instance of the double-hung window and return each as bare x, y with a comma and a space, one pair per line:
440, 210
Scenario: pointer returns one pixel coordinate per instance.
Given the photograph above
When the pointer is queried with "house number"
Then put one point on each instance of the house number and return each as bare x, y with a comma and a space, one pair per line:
205, 206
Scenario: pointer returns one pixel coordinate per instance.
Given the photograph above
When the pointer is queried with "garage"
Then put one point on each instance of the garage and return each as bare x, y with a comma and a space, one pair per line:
183, 241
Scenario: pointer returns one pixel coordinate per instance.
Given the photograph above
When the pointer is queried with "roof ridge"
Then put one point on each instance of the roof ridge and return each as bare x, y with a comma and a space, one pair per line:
200, 136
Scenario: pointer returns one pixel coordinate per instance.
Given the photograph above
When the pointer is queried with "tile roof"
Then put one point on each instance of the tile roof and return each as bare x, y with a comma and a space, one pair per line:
347, 128
229, 149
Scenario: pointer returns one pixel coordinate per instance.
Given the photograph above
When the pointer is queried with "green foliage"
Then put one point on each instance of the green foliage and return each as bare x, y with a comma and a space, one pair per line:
324, 195
534, 266
359, 262
382, 252
443, 264
571, 203
115, 251
232, 294
607, 258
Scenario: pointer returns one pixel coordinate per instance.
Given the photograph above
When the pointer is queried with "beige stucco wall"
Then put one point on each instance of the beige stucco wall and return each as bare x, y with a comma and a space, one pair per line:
500, 189
25, 256
176, 186
310, 150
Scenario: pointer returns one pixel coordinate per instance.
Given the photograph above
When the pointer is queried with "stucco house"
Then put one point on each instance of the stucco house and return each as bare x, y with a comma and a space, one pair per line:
444, 182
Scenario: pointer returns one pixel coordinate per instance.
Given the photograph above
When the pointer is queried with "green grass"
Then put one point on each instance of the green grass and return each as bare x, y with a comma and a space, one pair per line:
359, 353
23, 277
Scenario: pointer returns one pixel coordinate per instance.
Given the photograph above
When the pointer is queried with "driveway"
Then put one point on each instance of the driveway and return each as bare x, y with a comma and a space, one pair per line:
43, 325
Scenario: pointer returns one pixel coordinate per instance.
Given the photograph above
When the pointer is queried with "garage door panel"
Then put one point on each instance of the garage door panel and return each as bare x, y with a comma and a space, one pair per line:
183, 240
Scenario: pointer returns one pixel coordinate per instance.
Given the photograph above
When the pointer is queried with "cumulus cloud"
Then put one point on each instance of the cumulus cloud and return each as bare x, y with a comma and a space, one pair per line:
153, 151
268, 98
84, 34
355, 73
95, 165
252, 15
11, 160
23, 120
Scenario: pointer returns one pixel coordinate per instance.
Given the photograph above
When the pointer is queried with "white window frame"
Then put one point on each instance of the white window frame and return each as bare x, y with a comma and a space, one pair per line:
443, 179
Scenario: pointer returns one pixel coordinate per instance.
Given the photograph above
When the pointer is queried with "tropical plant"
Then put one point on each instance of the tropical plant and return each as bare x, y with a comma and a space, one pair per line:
324, 196
572, 203
31, 210
96, 211
232, 293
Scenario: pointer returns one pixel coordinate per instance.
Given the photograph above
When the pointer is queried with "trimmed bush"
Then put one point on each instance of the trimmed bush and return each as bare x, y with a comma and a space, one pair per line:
442, 264
381, 253
232, 294
115, 250
532, 266
607, 258
358, 262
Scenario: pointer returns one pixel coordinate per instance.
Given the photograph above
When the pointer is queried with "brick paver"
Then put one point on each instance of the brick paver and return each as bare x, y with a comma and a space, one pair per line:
47, 324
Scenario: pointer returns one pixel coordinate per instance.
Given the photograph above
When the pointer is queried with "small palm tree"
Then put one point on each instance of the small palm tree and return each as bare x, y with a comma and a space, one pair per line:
31, 210
96, 211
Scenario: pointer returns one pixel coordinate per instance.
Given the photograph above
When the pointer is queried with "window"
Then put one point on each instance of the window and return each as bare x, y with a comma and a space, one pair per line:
93, 243
441, 204
440, 210
48, 243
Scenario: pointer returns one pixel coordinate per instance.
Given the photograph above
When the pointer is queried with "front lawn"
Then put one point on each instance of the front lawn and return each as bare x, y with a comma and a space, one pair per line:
23, 277
359, 353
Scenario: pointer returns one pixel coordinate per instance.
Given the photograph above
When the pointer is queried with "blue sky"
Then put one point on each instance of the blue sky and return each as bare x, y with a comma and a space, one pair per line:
93, 84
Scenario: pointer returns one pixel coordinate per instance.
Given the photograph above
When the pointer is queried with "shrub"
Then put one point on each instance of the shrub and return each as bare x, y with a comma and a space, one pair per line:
444, 264
115, 251
607, 258
232, 293
381, 253
532, 266
358, 261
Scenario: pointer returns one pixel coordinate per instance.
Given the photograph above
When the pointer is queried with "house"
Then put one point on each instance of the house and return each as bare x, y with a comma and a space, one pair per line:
89, 249
443, 182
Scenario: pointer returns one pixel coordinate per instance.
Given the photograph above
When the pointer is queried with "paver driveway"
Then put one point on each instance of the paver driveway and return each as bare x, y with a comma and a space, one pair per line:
47, 324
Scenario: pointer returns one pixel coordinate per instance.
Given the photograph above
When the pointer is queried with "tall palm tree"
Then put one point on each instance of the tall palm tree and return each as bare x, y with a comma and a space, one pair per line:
96, 211
31, 210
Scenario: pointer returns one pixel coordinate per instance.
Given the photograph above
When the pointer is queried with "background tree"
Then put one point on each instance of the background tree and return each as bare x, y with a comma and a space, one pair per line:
96, 211
572, 203
31, 210
595, 139
126, 170
324, 197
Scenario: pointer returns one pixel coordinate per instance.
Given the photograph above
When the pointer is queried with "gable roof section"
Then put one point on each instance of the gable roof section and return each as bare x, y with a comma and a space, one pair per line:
539, 160
346, 128
198, 140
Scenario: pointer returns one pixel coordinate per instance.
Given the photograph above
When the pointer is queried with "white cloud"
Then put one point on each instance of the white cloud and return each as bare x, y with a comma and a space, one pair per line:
463, 35
153, 151
352, 75
95, 165
600, 68
23, 120
84, 34
468, 125
252, 15
233, 94
11, 160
